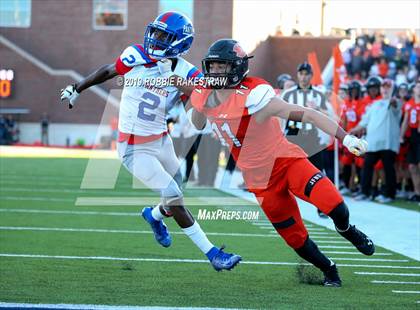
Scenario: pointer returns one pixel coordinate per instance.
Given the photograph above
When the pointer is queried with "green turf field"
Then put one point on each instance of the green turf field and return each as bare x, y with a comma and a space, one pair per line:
52, 251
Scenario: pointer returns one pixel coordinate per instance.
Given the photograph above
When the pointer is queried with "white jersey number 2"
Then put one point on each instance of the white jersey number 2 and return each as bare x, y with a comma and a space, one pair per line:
148, 101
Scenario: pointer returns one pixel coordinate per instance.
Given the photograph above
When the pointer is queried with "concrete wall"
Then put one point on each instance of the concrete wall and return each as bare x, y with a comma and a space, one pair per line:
58, 133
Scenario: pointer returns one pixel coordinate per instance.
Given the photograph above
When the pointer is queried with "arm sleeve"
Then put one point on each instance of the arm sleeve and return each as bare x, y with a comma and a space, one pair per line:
259, 97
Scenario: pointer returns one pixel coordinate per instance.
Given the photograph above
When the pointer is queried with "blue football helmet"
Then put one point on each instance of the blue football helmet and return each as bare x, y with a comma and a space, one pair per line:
169, 35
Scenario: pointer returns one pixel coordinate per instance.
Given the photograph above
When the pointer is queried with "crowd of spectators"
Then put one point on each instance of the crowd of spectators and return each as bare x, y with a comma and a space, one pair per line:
8, 130
380, 100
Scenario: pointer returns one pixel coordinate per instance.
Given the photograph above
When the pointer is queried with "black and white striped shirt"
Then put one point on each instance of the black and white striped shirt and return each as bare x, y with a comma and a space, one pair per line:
302, 97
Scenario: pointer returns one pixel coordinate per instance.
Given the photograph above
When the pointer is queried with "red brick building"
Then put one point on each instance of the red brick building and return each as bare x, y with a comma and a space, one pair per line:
49, 44
66, 35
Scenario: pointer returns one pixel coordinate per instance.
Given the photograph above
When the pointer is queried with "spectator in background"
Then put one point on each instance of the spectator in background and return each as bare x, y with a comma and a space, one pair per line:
373, 88
3, 130
349, 120
383, 67
357, 62
381, 122
403, 174
284, 82
10, 134
412, 121
44, 129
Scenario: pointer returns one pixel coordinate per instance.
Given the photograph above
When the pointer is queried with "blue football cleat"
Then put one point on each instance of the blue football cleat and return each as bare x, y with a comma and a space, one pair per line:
222, 260
159, 228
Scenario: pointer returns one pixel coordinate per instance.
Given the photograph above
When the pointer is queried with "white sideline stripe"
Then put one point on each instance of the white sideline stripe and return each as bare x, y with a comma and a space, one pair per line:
268, 224
393, 282
327, 237
186, 260
99, 307
70, 212
35, 198
69, 229
355, 253
54, 72
406, 292
120, 231
333, 241
388, 274
115, 214
76, 191
371, 259
315, 233
116, 197
139, 231
335, 247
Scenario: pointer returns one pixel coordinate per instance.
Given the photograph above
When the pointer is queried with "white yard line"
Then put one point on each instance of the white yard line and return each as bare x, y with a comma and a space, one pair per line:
342, 241
356, 253
121, 231
26, 198
393, 282
406, 292
371, 259
388, 274
6, 305
168, 260
335, 247
70, 212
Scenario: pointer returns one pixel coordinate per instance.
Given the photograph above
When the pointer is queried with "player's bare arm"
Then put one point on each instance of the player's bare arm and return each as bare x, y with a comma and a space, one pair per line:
101, 75
104, 73
280, 108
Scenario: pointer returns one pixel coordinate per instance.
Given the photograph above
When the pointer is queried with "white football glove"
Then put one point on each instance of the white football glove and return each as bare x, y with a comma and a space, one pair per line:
165, 68
71, 94
355, 145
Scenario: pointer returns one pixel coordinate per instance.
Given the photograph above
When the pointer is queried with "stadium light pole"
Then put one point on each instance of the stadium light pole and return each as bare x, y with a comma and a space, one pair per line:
323, 4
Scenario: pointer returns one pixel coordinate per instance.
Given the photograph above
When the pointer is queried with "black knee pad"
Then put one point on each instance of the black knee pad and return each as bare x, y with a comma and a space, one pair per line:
340, 215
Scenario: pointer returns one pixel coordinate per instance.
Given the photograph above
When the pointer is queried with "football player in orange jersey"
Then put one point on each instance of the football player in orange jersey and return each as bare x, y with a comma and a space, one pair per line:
349, 119
244, 114
412, 121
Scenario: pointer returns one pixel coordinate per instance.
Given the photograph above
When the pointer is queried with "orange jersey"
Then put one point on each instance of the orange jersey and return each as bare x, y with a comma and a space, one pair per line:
253, 145
405, 109
350, 114
413, 110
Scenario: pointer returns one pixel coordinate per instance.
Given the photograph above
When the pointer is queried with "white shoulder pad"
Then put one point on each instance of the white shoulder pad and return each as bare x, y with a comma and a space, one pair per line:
134, 56
186, 70
259, 97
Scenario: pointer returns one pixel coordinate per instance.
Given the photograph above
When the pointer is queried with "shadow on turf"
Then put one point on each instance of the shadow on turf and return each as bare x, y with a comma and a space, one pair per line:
308, 274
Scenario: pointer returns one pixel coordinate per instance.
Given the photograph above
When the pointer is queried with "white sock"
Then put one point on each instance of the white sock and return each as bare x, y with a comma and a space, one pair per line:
156, 214
198, 236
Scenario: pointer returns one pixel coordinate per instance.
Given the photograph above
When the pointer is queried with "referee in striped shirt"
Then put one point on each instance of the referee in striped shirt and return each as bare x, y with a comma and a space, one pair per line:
305, 134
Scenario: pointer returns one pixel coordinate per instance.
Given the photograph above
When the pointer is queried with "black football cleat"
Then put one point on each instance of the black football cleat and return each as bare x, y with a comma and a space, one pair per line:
331, 277
362, 242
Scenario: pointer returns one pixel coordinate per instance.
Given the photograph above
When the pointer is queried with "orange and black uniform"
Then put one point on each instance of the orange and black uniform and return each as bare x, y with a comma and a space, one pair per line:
274, 169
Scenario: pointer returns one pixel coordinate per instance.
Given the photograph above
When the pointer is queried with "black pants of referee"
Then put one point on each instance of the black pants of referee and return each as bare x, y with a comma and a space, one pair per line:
388, 159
